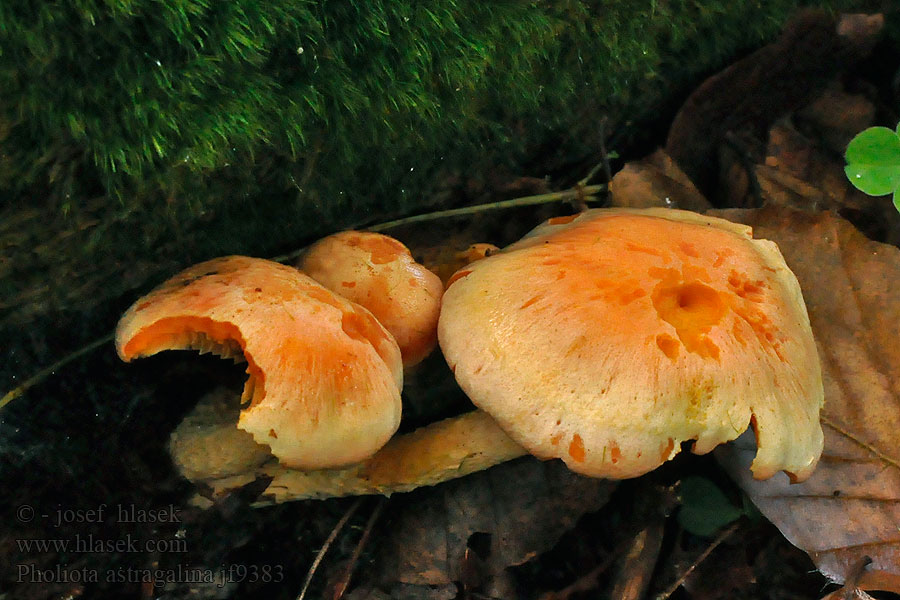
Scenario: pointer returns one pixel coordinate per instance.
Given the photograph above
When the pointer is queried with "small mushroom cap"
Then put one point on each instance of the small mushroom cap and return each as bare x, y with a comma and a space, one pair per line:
379, 273
607, 339
324, 376
476, 252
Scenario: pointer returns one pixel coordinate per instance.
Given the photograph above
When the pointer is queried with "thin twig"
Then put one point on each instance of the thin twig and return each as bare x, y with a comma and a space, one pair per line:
562, 196
604, 159
330, 540
344, 582
591, 174
580, 191
604, 155
584, 583
719, 539
590, 580
479, 208
47, 371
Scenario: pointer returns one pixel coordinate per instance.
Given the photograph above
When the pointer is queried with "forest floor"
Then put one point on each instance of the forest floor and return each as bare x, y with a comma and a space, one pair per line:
95, 508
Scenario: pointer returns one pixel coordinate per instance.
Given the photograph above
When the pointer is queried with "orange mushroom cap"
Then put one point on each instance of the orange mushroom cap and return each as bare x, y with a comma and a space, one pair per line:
477, 252
608, 338
379, 273
324, 376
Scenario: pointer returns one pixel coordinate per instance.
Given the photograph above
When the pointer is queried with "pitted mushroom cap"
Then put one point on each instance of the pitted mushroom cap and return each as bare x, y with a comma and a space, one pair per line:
609, 338
324, 376
379, 273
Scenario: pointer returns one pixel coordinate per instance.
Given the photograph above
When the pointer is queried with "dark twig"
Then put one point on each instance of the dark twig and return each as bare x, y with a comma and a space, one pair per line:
604, 159
604, 155
585, 583
580, 201
47, 371
330, 540
342, 585
591, 174
719, 539
851, 581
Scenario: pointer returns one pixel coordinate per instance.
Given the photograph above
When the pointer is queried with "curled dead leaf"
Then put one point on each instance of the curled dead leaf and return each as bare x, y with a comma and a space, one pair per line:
430, 538
655, 180
850, 507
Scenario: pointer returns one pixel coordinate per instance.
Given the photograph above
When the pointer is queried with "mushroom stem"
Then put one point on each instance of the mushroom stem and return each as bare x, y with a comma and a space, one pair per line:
430, 455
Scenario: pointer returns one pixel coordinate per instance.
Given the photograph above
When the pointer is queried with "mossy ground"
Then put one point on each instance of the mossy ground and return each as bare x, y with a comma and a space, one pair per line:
137, 137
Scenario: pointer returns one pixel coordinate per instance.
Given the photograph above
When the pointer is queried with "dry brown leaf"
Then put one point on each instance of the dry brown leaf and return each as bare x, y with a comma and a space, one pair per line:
780, 188
800, 173
525, 506
838, 116
850, 507
655, 181
639, 561
748, 96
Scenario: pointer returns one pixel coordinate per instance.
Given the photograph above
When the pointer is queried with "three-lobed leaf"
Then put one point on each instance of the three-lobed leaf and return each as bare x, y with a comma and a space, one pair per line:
873, 162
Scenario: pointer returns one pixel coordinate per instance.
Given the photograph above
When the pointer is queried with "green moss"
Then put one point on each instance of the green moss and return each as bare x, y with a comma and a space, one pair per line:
164, 132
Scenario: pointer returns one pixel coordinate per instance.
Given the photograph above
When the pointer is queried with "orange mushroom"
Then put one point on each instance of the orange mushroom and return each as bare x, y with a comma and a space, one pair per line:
379, 273
447, 260
324, 376
608, 339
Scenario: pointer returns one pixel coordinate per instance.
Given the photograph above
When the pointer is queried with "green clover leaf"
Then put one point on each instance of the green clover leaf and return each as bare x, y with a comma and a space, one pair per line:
873, 162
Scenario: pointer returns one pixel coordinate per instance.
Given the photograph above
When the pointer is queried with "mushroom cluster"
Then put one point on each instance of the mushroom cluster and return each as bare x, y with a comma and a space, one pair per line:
605, 339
